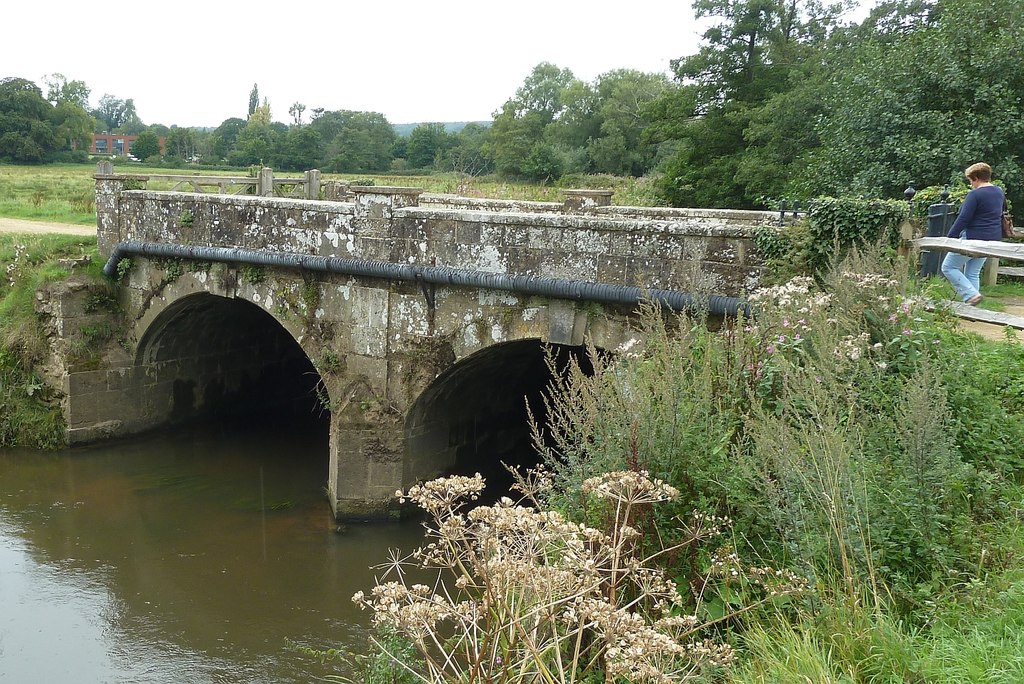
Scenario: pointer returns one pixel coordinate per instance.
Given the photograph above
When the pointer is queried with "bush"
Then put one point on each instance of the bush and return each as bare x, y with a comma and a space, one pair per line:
832, 228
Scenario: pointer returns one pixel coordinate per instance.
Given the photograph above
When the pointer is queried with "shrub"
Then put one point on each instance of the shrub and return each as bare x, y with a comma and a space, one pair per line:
832, 228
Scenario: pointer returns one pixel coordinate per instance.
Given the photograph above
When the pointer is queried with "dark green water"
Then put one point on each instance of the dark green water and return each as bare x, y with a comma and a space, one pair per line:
195, 556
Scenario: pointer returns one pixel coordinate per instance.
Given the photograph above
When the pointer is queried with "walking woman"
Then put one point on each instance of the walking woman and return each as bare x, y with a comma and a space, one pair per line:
980, 219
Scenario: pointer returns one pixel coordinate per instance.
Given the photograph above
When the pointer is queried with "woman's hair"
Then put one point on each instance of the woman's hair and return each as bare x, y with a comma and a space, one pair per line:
980, 171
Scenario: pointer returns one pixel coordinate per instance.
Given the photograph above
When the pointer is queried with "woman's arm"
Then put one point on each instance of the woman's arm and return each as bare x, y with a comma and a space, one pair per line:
967, 211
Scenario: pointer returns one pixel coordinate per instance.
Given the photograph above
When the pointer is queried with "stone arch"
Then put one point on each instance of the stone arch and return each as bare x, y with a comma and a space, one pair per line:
214, 356
474, 415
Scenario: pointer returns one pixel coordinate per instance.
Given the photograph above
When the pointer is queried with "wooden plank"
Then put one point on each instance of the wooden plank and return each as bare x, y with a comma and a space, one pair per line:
973, 313
1013, 271
1012, 251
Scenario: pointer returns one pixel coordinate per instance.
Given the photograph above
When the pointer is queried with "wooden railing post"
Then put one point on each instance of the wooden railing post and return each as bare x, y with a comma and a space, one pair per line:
265, 182
990, 274
311, 189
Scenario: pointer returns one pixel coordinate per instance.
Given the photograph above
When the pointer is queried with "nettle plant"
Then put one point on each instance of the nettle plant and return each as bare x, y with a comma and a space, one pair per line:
523, 594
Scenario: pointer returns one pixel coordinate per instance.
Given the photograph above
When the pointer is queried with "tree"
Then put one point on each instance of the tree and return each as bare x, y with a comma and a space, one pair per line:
254, 100
73, 126
296, 111
469, 153
513, 138
181, 145
60, 90
355, 141
749, 56
922, 104
621, 113
223, 139
146, 146
542, 92
428, 144
300, 149
517, 142
26, 131
116, 115
255, 144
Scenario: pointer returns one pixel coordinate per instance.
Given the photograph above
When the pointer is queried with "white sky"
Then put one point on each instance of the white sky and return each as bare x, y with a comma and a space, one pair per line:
193, 63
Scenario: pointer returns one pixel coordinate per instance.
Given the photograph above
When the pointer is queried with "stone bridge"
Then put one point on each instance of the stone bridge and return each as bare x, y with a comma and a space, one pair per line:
419, 323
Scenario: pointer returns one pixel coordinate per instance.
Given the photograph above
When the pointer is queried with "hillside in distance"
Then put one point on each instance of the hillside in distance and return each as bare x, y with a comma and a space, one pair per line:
404, 129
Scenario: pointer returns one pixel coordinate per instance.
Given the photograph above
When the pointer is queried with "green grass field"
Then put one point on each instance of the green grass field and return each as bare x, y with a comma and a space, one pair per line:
65, 193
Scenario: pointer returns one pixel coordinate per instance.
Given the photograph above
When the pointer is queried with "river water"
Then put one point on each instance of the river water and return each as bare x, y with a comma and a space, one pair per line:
200, 555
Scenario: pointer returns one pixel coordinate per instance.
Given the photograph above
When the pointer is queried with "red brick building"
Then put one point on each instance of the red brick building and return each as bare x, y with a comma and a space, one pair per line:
117, 144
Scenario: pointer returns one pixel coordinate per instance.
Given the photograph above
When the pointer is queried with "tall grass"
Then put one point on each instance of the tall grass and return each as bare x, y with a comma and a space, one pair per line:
57, 193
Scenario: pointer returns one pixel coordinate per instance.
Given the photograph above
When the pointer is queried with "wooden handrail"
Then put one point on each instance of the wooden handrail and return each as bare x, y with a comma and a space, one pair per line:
1013, 251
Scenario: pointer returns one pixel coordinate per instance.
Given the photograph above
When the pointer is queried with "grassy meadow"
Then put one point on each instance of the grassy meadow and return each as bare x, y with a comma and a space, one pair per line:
65, 193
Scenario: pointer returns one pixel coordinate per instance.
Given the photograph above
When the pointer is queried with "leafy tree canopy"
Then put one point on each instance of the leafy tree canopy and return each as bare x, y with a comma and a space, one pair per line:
31, 130
920, 105
147, 145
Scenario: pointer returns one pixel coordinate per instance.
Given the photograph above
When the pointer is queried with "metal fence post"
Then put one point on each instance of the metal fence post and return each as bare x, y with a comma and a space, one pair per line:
938, 225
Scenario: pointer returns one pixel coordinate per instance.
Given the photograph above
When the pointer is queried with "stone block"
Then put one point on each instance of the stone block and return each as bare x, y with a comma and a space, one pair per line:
373, 248
640, 271
86, 382
562, 323
120, 379
516, 235
440, 232
467, 233
523, 261
369, 321
374, 370
611, 269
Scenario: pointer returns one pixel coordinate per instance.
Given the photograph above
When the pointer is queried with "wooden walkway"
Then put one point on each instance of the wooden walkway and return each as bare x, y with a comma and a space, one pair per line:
973, 313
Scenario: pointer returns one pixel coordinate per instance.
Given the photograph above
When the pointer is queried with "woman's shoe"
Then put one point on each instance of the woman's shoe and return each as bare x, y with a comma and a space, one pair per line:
975, 300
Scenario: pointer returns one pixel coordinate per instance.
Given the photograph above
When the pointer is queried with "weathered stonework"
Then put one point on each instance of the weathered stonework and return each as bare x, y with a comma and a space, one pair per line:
379, 346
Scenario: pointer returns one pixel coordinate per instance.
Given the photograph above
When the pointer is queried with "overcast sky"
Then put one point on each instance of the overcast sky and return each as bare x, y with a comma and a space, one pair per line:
191, 63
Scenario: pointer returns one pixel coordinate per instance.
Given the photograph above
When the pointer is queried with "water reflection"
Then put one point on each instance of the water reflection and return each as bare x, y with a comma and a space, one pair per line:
196, 556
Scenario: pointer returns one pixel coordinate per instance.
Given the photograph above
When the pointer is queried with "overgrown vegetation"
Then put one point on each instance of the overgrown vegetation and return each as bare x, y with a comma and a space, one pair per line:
855, 439
29, 412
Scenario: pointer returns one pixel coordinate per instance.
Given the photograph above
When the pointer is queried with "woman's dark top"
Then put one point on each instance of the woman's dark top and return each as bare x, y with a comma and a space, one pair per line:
981, 214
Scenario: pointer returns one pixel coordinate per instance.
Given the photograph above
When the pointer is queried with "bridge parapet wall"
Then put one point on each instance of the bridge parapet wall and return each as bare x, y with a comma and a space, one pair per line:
680, 249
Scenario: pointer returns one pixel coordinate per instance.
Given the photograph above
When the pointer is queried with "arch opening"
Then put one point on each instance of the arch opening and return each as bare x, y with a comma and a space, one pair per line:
218, 358
474, 417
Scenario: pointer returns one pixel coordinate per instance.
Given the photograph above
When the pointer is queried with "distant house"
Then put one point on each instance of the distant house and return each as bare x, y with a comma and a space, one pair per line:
116, 144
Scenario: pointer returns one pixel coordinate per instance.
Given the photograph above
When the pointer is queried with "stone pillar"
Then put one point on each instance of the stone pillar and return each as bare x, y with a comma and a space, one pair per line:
585, 201
108, 207
374, 214
311, 185
365, 472
337, 191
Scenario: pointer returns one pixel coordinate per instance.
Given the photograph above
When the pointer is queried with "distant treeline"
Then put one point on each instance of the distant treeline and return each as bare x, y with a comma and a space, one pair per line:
783, 99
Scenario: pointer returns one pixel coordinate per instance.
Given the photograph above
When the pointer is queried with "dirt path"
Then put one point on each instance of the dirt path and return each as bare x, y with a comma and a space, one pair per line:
11, 225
